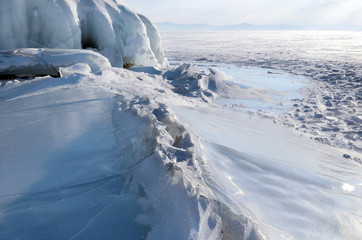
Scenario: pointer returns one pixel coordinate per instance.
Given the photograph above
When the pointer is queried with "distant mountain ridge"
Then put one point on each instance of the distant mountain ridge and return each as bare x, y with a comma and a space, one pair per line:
168, 26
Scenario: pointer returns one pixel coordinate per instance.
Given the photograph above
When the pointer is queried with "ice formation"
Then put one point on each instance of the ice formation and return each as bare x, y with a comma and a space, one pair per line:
136, 169
100, 152
113, 133
107, 26
31, 62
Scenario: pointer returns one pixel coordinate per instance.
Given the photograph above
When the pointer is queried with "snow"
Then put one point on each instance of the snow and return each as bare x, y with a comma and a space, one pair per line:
109, 26
129, 152
207, 84
91, 150
157, 162
328, 111
296, 188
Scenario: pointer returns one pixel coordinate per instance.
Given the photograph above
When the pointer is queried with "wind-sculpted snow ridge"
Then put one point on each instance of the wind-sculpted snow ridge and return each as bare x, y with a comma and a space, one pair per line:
176, 199
107, 26
133, 169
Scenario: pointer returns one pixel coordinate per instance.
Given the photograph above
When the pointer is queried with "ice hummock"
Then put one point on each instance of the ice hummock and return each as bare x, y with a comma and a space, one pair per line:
107, 26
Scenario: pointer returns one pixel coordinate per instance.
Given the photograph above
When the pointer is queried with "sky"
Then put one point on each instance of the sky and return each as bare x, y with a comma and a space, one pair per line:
220, 12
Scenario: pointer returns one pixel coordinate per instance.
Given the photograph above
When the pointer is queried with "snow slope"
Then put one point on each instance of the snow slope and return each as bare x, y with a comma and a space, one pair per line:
109, 26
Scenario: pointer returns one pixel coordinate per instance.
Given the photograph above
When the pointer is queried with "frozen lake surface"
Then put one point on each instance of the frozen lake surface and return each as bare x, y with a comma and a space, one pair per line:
291, 186
295, 187
330, 111
271, 153
263, 46
59, 174
270, 90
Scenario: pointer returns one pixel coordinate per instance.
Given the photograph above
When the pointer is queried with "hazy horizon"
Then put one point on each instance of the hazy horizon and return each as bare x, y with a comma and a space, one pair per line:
165, 26
341, 14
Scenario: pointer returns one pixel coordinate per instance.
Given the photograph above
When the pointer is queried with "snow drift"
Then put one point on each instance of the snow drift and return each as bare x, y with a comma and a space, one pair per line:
107, 26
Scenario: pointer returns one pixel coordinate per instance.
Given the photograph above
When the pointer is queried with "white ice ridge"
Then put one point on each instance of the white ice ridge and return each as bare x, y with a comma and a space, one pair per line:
30, 62
108, 26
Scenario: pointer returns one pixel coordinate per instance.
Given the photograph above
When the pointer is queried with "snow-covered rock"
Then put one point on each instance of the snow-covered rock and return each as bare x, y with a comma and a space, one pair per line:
107, 26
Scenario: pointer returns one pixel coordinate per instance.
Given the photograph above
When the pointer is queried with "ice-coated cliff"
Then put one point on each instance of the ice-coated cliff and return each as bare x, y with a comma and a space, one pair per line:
108, 26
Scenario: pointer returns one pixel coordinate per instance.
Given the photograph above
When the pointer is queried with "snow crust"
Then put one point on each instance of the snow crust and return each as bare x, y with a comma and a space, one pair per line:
107, 26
